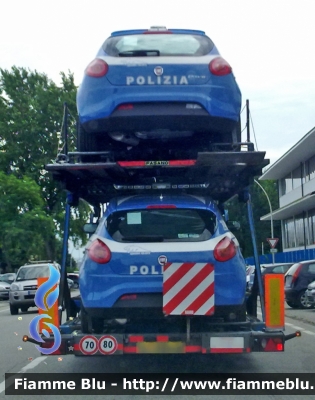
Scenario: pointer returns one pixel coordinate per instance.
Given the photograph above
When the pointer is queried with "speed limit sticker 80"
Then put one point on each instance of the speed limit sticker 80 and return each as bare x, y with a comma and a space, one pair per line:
107, 344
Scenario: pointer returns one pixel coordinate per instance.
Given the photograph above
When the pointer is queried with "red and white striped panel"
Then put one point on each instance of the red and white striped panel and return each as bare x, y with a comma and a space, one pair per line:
188, 289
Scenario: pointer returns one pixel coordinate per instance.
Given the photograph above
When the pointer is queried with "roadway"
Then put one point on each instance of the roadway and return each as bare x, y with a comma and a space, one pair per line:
17, 356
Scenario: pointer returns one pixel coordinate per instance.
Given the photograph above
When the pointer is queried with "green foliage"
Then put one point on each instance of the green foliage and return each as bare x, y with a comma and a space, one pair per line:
23, 223
31, 119
238, 212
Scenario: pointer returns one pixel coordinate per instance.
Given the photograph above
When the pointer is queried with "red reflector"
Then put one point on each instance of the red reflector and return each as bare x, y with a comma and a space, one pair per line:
131, 163
182, 162
161, 206
274, 345
97, 68
135, 339
125, 107
128, 297
224, 250
220, 67
99, 252
162, 338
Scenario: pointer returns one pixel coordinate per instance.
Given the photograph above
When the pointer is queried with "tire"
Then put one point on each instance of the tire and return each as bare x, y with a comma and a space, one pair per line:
13, 309
24, 309
292, 305
303, 301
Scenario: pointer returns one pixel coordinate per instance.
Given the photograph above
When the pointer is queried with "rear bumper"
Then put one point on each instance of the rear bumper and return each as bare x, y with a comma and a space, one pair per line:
155, 116
108, 291
22, 298
97, 99
236, 340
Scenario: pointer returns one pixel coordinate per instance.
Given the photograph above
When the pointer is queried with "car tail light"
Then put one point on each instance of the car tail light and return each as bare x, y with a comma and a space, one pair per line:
220, 67
99, 252
224, 250
296, 274
97, 68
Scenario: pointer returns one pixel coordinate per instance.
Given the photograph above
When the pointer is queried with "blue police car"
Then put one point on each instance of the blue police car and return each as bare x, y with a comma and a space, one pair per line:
153, 256
149, 87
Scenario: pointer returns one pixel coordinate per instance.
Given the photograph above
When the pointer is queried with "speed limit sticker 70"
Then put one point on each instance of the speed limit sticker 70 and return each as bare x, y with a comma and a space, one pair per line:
88, 345
107, 344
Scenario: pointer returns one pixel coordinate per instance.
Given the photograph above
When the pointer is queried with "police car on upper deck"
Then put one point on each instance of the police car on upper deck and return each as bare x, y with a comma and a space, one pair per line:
157, 255
148, 87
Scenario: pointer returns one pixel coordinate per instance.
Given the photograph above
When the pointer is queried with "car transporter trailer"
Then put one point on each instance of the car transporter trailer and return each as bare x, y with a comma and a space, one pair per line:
220, 174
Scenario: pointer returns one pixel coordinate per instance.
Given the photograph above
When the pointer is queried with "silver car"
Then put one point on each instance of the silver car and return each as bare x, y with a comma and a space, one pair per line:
23, 289
4, 290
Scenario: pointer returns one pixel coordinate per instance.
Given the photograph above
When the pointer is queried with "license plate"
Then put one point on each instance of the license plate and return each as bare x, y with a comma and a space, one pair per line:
160, 347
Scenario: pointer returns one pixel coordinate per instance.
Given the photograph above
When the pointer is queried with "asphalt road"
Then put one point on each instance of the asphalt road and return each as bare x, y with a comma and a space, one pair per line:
17, 356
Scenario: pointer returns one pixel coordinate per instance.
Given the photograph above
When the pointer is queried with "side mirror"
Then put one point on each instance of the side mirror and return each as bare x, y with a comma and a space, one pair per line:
90, 228
233, 225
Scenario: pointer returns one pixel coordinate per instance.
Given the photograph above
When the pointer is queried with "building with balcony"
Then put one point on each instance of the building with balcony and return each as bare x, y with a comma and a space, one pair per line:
295, 174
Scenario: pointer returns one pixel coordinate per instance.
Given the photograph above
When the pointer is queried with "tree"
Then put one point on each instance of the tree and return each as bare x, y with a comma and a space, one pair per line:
31, 117
23, 223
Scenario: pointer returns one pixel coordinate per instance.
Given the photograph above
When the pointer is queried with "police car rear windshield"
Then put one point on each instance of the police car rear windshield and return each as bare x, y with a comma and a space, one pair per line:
161, 225
158, 45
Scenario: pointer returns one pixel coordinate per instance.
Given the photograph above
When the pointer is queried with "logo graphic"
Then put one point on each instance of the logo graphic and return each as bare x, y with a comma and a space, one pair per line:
162, 260
46, 296
158, 71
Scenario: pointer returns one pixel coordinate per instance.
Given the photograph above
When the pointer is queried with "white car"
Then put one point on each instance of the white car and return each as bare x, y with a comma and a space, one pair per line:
23, 289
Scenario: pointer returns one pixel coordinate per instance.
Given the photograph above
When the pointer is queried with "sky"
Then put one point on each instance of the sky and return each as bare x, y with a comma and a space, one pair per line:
270, 45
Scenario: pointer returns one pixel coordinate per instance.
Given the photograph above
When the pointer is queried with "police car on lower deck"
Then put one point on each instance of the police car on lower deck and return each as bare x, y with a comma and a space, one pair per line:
161, 255
157, 85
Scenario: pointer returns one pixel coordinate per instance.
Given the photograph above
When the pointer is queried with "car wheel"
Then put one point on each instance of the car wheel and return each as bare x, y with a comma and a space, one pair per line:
13, 309
292, 305
24, 309
303, 300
